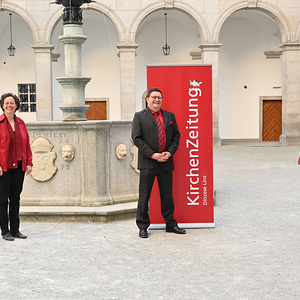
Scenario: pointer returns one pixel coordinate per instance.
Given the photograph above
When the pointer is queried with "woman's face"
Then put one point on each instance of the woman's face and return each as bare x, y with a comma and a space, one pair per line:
9, 106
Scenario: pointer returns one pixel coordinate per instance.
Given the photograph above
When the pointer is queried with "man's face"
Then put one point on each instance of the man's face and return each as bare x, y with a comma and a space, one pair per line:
154, 101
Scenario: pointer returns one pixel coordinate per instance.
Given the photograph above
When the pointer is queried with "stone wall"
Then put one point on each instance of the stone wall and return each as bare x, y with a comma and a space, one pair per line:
95, 176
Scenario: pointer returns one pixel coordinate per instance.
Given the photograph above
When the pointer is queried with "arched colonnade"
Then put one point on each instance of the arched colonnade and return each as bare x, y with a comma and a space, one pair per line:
210, 45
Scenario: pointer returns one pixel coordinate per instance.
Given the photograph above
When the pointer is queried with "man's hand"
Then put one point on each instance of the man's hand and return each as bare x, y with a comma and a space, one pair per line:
167, 154
161, 157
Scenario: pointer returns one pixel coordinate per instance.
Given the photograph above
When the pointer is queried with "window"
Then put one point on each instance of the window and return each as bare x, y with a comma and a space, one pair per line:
27, 95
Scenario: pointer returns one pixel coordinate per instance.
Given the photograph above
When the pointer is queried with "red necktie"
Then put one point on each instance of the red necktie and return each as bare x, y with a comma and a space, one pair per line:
161, 136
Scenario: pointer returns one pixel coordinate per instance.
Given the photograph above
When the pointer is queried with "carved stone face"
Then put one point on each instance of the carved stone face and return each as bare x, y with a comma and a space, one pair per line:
121, 151
67, 152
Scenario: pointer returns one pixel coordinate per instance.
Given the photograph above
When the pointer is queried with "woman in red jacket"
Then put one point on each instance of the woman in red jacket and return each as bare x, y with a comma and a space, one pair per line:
15, 161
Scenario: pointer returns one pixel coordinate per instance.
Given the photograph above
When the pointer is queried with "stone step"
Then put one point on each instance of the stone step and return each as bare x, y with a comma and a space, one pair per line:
101, 214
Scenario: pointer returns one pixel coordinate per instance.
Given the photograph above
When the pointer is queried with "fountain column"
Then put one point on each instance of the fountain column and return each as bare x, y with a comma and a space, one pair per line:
73, 84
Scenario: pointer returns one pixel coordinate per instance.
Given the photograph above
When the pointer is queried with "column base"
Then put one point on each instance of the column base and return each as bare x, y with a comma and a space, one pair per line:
290, 139
74, 113
217, 140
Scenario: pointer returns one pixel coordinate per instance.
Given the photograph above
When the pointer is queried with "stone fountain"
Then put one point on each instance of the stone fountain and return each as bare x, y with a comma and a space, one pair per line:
75, 163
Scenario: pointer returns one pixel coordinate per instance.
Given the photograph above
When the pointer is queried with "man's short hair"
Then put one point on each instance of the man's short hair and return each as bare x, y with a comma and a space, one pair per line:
153, 90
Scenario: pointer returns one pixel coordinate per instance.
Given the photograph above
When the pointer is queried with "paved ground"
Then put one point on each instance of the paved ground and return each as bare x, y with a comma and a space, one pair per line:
252, 253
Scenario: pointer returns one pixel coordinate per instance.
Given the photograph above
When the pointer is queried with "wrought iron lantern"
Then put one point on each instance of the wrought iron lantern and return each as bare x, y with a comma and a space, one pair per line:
166, 48
11, 49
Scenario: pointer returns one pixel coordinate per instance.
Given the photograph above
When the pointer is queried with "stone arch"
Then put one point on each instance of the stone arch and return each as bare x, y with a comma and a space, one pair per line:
26, 16
57, 15
271, 10
297, 32
200, 22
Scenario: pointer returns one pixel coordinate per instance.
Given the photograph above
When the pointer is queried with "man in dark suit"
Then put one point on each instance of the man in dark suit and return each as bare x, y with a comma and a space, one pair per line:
156, 135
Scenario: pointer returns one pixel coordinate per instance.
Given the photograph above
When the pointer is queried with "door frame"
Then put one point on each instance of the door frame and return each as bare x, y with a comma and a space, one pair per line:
261, 102
100, 100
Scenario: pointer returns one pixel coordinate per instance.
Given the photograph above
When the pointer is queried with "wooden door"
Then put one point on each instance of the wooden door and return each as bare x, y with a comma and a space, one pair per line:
97, 110
272, 120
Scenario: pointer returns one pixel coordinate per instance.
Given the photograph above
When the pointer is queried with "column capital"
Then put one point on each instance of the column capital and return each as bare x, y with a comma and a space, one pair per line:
127, 47
210, 46
42, 48
290, 46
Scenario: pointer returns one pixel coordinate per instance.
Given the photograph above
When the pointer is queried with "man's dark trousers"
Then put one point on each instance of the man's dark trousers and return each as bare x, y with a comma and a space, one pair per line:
165, 182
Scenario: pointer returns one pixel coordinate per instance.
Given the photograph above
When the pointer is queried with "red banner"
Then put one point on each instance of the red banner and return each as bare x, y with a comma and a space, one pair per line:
187, 92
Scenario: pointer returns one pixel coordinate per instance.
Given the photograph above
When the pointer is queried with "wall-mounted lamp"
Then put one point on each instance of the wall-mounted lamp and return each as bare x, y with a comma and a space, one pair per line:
11, 49
166, 48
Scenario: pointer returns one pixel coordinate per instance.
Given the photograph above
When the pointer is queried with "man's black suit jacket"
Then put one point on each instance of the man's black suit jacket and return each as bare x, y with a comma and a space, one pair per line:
145, 137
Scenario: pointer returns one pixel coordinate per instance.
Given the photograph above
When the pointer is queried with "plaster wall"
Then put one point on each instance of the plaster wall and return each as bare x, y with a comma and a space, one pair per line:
151, 39
18, 68
245, 73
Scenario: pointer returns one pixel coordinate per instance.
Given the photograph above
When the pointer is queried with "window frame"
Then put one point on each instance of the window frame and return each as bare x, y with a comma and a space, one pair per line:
27, 91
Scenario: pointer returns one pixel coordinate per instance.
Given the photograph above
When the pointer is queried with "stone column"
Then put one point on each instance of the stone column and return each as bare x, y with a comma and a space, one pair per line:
74, 108
210, 55
127, 73
43, 79
290, 93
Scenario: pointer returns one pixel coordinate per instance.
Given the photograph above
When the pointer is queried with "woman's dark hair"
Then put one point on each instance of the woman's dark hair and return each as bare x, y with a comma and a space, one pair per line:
5, 95
153, 90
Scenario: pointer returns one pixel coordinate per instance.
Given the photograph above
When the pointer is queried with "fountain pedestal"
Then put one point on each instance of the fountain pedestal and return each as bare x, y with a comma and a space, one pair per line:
73, 84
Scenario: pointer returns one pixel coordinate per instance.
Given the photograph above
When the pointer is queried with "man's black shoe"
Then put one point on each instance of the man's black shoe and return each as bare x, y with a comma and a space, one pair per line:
175, 229
19, 235
143, 233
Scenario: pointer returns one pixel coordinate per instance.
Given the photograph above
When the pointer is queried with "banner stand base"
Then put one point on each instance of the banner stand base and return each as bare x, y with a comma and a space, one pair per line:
183, 225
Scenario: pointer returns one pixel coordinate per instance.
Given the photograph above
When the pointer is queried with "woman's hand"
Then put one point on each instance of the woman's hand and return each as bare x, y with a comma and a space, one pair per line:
1, 172
28, 170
